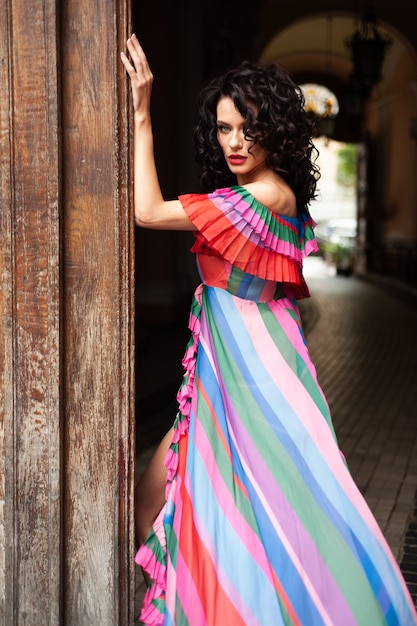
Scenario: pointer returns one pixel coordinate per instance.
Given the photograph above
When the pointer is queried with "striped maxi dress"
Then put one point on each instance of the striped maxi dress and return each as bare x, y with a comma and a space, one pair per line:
262, 524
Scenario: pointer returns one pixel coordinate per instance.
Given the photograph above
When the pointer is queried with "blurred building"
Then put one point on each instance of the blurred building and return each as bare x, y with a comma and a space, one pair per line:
376, 101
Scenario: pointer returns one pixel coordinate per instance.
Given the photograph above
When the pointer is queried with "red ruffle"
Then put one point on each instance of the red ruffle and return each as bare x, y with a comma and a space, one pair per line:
232, 224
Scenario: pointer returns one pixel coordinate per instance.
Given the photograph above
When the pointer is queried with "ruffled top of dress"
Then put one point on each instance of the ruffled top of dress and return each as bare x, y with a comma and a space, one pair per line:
232, 224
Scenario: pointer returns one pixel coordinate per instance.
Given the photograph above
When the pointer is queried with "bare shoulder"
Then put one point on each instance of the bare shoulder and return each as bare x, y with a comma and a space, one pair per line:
276, 195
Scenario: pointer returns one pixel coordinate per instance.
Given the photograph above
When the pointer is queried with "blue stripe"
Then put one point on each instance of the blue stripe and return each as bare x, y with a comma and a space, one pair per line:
233, 556
273, 405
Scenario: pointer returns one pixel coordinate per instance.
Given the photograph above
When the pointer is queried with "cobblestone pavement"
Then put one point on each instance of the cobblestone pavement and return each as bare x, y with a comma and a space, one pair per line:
362, 338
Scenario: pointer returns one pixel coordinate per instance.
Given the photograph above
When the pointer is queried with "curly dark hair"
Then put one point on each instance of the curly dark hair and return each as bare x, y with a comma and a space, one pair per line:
273, 108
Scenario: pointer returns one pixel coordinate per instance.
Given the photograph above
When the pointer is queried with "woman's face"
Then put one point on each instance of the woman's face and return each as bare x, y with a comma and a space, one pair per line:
247, 165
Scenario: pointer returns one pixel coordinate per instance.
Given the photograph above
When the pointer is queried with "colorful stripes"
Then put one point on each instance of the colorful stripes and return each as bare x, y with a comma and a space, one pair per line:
232, 224
263, 524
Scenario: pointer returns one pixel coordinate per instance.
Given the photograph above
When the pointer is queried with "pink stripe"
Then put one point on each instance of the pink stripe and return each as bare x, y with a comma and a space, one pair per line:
175, 495
237, 199
315, 563
313, 421
292, 330
188, 595
276, 243
339, 604
322, 436
145, 557
252, 544
243, 222
314, 568
170, 597
227, 504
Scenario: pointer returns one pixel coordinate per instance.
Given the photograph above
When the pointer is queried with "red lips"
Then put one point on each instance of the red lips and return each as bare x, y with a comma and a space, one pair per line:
237, 159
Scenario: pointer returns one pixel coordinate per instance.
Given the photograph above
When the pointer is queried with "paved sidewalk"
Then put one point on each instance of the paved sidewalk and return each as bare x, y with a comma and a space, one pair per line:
362, 337
363, 341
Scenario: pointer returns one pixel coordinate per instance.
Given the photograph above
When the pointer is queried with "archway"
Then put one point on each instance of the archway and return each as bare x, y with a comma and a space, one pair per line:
313, 49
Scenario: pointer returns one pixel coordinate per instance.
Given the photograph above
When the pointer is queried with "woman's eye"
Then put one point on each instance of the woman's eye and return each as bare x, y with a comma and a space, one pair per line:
222, 128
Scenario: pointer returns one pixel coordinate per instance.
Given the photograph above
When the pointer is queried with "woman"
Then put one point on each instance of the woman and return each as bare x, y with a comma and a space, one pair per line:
247, 514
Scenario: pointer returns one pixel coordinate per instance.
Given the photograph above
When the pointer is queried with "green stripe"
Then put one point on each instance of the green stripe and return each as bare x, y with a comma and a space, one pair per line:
180, 617
152, 542
159, 603
172, 542
345, 568
276, 223
223, 464
294, 360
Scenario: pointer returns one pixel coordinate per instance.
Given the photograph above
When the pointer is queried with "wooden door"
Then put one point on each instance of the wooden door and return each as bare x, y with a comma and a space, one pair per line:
66, 316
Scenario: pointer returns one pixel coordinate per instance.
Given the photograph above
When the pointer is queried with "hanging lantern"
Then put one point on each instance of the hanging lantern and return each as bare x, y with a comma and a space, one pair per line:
322, 105
368, 48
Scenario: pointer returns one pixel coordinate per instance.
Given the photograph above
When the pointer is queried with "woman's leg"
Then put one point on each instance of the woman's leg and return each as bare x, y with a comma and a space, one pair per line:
150, 490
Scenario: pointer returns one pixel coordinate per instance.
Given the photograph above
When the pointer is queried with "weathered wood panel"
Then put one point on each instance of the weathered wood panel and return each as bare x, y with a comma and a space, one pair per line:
66, 316
97, 237
5, 291
30, 188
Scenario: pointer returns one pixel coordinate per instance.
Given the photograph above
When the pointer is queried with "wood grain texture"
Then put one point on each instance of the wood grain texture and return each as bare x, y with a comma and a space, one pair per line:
66, 317
30, 279
6, 368
98, 299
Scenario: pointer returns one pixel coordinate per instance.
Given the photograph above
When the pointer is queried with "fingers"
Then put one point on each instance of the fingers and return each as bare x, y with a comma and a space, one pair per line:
141, 77
129, 68
137, 54
139, 62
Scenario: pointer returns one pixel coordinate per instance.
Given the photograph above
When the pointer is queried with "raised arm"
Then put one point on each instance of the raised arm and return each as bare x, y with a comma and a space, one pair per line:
151, 210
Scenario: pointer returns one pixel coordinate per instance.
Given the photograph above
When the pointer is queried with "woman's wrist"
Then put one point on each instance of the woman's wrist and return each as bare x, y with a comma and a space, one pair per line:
142, 119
